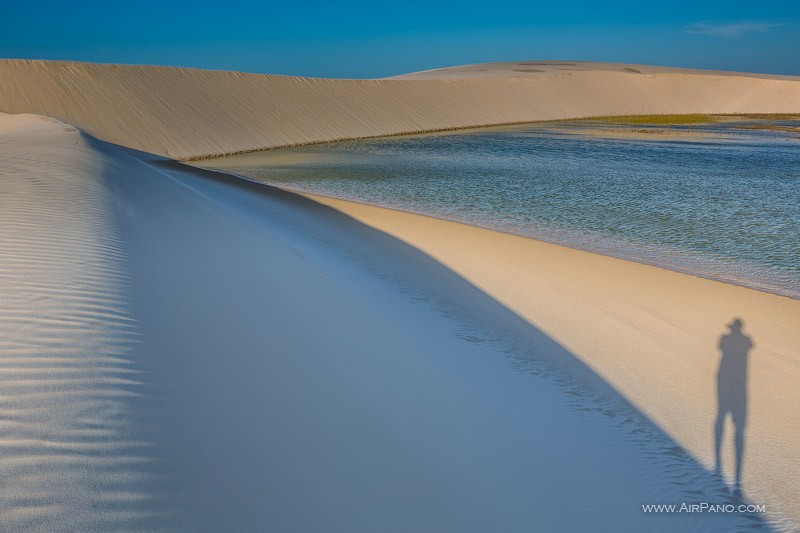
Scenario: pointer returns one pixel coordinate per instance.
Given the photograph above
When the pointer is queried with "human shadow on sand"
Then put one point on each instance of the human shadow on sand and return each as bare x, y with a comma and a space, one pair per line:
732, 396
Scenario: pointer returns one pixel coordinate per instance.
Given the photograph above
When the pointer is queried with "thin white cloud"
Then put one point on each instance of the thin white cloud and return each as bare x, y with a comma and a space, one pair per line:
730, 31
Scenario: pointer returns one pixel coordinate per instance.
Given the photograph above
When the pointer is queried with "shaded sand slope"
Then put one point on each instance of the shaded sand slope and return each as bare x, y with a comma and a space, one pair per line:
653, 334
194, 353
189, 113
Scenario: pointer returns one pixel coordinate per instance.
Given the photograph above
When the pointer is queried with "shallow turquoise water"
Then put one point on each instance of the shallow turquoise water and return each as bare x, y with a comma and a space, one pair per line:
723, 202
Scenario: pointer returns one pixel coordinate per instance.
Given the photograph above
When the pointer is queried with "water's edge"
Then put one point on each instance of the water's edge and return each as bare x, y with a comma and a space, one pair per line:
715, 201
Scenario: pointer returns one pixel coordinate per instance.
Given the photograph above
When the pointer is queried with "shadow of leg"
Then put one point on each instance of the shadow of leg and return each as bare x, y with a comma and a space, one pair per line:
719, 426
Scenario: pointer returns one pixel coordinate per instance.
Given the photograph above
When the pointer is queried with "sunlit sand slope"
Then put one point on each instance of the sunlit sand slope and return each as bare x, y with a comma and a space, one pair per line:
189, 113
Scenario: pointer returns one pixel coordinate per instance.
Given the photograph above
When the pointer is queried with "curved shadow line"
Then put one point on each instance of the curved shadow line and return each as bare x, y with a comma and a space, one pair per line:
532, 351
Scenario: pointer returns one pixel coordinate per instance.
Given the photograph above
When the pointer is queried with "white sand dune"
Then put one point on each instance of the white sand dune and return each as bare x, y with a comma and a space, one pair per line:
528, 69
182, 350
189, 113
186, 351
68, 460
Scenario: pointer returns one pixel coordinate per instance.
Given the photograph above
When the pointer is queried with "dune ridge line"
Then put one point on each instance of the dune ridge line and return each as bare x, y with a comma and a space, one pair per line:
188, 113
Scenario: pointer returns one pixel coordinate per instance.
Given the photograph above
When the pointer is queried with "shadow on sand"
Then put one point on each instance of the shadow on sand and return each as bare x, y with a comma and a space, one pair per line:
481, 316
732, 396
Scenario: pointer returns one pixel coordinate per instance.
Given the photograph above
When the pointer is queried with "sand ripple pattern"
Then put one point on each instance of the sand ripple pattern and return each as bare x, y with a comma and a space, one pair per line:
67, 460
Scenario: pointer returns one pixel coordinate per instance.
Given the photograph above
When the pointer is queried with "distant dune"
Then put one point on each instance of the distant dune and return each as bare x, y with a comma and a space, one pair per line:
189, 113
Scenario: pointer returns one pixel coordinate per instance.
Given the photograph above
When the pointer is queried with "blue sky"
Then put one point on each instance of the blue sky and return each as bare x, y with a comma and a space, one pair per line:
373, 39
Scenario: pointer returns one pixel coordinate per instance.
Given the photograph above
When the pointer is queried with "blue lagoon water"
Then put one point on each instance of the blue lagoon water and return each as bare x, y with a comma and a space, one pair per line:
715, 200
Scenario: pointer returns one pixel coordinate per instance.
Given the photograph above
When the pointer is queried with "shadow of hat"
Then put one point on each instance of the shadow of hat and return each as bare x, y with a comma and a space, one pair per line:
736, 324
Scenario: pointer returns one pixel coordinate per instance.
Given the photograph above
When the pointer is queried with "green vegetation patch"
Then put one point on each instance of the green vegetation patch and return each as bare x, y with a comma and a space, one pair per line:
655, 119
767, 116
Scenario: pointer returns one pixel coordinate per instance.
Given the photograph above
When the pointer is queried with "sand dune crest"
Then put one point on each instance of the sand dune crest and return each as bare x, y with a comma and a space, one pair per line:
189, 113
